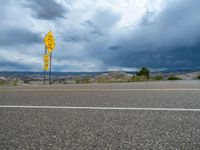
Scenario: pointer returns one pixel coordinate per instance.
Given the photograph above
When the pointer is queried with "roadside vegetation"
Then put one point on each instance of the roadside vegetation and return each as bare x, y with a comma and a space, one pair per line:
2, 83
143, 72
198, 77
115, 77
157, 78
8, 83
83, 80
173, 78
139, 78
143, 75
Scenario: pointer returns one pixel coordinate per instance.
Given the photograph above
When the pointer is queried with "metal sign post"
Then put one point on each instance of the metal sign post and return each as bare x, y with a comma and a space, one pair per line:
50, 69
46, 64
45, 52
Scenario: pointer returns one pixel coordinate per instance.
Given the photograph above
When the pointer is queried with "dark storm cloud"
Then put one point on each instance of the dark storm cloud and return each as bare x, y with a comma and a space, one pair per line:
16, 36
11, 65
96, 27
114, 48
46, 9
75, 39
171, 39
179, 58
93, 28
102, 34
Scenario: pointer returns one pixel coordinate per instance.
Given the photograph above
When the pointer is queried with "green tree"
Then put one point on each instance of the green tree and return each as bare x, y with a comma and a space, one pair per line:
198, 77
143, 72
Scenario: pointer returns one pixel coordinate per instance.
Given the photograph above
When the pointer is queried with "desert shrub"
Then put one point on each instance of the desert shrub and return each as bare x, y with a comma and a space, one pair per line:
14, 83
143, 72
198, 77
102, 79
157, 78
139, 78
8, 83
2, 82
173, 78
82, 80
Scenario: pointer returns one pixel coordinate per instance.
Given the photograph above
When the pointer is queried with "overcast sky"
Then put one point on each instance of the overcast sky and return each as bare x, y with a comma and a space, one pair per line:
100, 35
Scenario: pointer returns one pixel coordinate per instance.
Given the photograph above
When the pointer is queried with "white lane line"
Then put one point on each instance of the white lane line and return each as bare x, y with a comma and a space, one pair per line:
100, 108
167, 89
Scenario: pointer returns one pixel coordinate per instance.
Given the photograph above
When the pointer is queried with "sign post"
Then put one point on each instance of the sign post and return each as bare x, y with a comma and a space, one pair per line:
49, 46
50, 69
46, 64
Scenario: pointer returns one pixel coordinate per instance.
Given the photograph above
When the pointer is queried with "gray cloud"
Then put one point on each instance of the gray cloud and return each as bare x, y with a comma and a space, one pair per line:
17, 36
114, 48
178, 58
105, 19
7, 65
171, 39
75, 39
97, 38
46, 9
93, 28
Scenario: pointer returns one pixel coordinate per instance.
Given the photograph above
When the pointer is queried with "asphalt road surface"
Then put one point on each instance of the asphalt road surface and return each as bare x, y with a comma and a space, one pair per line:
151, 115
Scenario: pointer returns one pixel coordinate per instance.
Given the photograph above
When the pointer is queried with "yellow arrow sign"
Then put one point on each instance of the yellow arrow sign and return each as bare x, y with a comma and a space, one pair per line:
49, 41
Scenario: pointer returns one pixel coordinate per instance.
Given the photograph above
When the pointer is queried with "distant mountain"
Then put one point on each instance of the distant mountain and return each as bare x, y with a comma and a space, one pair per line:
61, 74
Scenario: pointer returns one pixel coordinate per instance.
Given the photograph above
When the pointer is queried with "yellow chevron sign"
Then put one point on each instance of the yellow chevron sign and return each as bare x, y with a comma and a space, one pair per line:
46, 62
49, 42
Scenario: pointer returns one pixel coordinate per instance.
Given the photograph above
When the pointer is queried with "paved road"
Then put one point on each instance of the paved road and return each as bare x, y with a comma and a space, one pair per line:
169, 117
